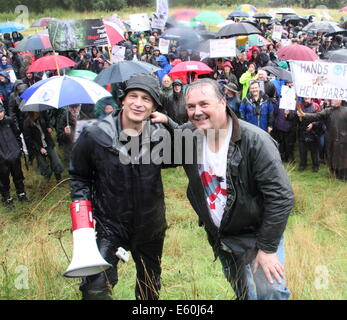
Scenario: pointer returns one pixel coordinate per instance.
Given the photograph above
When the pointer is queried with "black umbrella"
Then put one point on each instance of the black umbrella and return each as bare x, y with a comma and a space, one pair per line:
181, 34
262, 16
323, 26
339, 56
238, 13
294, 19
238, 29
205, 34
122, 71
280, 73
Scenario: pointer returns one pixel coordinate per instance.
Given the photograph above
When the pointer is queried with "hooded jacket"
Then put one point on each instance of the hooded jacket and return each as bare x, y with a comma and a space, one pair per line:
10, 143
166, 67
14, 101
127, 198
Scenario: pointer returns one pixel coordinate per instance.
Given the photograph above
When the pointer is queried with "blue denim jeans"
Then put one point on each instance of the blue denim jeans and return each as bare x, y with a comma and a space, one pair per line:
249, 286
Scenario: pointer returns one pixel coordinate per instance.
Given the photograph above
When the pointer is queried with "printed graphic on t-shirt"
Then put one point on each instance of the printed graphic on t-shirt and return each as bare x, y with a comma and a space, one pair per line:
215, 189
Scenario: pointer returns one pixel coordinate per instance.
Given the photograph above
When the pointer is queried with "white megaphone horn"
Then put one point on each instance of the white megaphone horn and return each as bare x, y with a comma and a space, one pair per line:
86, 258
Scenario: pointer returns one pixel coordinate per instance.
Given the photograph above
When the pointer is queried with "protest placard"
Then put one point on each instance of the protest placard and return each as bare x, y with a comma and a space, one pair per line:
288, 98
160, 16
164, 46
139, 22
319, 79
277, 32
286, 42
220, 48
118, 53
77, 34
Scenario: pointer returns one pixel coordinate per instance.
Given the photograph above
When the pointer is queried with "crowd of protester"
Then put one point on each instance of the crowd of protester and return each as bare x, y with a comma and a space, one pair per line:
253, 94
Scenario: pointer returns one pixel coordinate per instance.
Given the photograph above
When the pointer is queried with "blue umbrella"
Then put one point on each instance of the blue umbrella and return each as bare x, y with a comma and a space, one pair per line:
61, 91
11, 26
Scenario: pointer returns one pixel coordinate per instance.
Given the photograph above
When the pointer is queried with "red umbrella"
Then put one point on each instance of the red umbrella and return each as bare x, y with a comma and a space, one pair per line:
51, 62
185, 14
297, 52
113, 32
344, 9
191, 66
43, 22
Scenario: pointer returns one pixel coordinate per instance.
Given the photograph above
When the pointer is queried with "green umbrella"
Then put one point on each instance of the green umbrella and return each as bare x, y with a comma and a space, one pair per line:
86, 74
209, 17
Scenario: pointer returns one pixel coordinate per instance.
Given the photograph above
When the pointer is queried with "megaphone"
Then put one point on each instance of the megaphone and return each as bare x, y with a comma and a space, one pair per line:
86, 258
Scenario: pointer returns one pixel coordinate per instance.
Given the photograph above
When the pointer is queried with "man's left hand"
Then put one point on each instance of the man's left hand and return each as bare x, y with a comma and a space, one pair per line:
270, 264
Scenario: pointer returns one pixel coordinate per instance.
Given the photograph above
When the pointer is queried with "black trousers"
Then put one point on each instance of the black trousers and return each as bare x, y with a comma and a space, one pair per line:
313, 147
147, 258
15, 170
286, 141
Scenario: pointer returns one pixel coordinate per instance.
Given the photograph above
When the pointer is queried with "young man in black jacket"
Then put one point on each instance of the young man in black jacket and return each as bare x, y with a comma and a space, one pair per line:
10, 159
125, 191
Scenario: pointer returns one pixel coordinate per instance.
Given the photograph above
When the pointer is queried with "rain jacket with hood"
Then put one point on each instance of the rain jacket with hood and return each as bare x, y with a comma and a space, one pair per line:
127, 199
166, 67
5, 89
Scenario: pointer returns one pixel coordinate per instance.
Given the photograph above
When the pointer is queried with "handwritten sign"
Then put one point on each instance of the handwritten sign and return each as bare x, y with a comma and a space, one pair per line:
319, 79
288, 100
139, 22
220, 48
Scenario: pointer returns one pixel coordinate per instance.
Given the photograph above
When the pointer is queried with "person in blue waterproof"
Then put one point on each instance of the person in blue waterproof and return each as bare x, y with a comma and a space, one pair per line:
257, 108
165, 67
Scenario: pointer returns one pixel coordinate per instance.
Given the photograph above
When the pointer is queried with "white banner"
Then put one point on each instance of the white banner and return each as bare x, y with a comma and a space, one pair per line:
277, 32
220, 48
164, 46
319, 79
139, 22
118, 53
160, 16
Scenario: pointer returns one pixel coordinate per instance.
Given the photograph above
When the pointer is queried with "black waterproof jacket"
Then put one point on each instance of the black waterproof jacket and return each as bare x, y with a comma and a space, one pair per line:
10, 142
259, 194
127, 199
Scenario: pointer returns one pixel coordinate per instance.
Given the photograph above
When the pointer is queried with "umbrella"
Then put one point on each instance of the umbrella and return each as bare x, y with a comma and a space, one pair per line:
280, 73
185, 14
209, 17
297, 52
323, 26
189, 24
11, 26
191, 66
237, 13
282, 11
42, 22
344, 9
114, 33
86, 74
123, 70
262, 16
223, 24
205, 34
34, 42
339, 56
58, 92
294, 19
237, 29
247, 8
51, 62
181, 34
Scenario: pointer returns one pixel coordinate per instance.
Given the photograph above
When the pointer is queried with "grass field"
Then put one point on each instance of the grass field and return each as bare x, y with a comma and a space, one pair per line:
33, 259
35, 247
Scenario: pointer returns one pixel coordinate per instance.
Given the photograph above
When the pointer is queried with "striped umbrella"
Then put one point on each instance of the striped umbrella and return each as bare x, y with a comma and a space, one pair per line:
34, 42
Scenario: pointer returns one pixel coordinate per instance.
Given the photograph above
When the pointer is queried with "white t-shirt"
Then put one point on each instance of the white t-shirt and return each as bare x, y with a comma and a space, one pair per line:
212, 172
